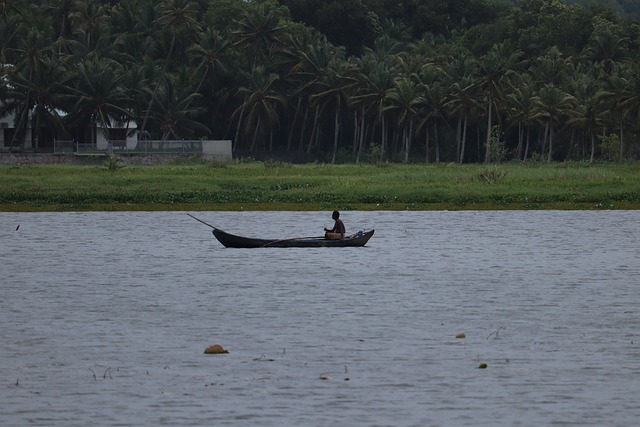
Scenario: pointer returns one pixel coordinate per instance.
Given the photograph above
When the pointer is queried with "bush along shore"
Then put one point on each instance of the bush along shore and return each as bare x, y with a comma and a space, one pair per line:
199, 184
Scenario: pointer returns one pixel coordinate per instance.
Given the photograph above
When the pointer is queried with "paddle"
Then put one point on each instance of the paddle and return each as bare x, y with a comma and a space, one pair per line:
197, 219
266, 244
289, 240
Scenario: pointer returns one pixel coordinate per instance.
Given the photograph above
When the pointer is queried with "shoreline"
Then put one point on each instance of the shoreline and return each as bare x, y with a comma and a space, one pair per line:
196, 184
307, 207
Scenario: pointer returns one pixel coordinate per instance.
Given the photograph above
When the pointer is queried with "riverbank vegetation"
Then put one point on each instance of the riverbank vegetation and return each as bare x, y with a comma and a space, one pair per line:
201, 185
425, 80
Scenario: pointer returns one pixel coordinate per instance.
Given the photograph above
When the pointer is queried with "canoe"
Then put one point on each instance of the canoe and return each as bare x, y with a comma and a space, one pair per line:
232, 241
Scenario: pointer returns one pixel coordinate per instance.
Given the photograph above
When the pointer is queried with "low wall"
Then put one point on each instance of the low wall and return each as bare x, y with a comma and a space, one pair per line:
125, 159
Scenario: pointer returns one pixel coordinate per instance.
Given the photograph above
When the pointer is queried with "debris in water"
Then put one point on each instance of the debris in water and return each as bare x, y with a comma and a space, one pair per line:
215, 349
461, 335
263, 358
482, 366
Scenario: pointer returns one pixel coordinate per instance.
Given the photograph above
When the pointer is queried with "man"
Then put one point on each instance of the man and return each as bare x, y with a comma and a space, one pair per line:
338, 230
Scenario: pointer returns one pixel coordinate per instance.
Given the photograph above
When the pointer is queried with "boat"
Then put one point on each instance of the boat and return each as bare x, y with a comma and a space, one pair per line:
232, 241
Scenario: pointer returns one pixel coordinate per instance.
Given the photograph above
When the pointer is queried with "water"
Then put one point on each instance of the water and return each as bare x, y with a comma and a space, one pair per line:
104, 318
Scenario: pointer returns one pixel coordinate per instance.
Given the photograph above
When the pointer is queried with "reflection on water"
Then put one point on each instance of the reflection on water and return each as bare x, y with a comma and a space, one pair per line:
105, 316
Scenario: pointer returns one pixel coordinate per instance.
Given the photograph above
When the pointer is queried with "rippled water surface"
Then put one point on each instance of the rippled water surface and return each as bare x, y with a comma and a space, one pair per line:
104, 318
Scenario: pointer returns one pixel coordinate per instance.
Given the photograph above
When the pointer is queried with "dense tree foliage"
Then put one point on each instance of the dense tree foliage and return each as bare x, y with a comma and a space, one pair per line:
347, 80
625, 8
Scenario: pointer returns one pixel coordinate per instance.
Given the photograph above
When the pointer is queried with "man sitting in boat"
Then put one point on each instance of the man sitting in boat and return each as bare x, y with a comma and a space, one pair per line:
338, 230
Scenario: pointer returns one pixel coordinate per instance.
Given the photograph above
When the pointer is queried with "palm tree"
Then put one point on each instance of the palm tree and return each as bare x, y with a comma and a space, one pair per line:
174, 114
555, 103
179, 18
588, 116
259, 29
460, 97
373, 80
8, 7
494, 67
461, 102
550, 68
607, 47
630, 99
334, 90
434, 104
33, 54
262, 103
385, 49
61, 11
90, 21
98, 94
405, 99
617, 95
302, 58
376, 80
209, 55
522, 103
311, 72
45, 88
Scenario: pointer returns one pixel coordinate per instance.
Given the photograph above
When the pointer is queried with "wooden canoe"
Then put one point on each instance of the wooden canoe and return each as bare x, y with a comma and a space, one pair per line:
232, 241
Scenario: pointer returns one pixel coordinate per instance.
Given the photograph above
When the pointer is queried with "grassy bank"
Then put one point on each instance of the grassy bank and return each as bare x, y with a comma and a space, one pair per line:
275, 186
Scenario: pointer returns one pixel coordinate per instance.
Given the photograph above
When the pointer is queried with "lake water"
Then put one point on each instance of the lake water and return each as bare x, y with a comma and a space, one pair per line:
104, 318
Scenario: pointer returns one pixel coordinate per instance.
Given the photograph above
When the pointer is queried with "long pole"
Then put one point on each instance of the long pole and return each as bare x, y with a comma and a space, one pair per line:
197, 219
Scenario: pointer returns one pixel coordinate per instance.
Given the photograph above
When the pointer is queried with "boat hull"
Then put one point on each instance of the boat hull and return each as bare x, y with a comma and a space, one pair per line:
232, 241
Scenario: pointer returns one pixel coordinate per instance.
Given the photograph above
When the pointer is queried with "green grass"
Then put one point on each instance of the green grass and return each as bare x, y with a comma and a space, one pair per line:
277, 186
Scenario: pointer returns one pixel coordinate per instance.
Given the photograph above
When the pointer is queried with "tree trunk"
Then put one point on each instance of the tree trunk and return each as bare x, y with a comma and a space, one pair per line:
336, 131
383, 139
526, 148
356, 130
490, 112
360, 136
396, 142
544, 140
550, 141
255, 136
314, 129
458, 138
437, 141
155, 91
37, 126
363, 131
464, 139
22, 124
571, 145
409, 141
426, 143
621, 140
304, 128
293, 124
520, 137
235, 143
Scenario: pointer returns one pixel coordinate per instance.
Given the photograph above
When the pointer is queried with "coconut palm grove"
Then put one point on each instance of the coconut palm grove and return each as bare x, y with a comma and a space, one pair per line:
334, 80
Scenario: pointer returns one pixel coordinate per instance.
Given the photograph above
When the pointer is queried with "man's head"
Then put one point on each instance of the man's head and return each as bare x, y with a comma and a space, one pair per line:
335, 215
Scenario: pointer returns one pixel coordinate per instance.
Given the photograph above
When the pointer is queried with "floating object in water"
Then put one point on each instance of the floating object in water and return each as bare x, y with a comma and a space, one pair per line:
461, 335
215, 349
263, 358
482, 366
